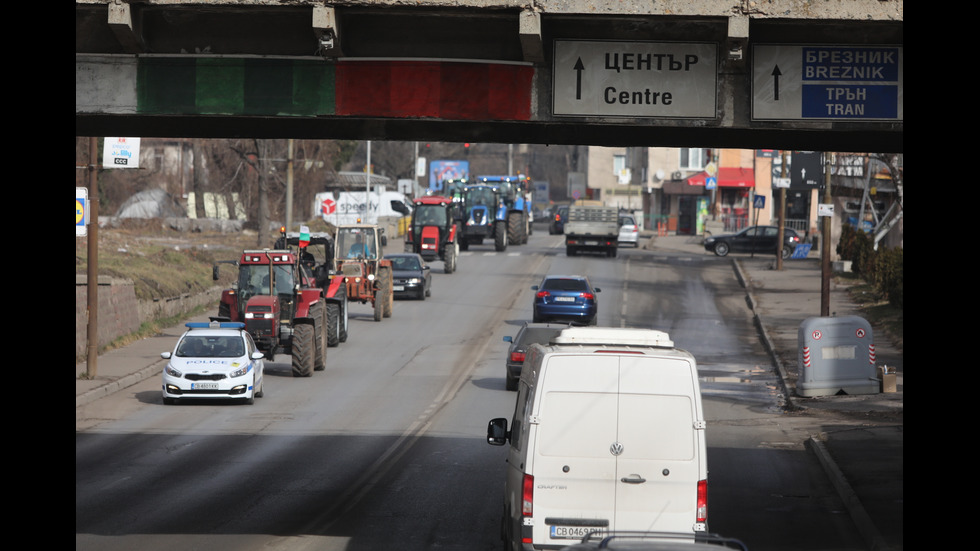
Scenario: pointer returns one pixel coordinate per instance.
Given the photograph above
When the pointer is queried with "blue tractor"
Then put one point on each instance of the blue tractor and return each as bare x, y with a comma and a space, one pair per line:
516, 195
482, 215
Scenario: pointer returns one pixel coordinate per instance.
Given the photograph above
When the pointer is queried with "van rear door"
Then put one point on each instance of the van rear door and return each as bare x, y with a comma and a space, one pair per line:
574, 472
660, 445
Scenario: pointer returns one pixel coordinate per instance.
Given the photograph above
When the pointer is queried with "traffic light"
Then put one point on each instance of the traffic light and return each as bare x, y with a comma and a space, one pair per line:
466, 148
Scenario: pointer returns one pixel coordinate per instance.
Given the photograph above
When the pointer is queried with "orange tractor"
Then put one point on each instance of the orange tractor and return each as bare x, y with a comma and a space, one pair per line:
358, 259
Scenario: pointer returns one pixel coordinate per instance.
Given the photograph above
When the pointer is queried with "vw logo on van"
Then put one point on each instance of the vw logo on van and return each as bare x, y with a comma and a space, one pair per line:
616, 448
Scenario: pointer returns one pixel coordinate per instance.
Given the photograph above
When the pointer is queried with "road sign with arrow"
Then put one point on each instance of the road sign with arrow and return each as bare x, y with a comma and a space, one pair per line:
827, 82
635, 79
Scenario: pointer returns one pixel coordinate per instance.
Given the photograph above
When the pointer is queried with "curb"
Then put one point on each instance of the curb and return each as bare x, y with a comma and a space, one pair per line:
764, 335
860, 517
116, 385
851, 502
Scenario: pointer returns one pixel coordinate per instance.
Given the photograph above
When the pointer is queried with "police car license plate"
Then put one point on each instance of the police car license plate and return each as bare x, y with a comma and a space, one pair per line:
573, 532
204, 386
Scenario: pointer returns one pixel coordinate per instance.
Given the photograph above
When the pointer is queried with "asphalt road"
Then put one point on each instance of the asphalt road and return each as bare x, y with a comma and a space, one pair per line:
385, 449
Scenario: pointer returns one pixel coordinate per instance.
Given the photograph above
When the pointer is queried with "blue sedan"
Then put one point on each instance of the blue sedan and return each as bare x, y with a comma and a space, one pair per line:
566, 298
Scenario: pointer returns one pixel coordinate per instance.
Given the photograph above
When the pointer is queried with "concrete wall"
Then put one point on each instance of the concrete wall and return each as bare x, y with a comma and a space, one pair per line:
120, 313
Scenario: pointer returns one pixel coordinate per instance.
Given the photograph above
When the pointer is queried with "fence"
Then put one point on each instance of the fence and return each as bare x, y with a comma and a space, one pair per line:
801, 225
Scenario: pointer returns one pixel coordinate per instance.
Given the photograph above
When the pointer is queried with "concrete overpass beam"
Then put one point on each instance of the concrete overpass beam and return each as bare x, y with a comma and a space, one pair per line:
326, 31
121, 23
738, 37
531, 43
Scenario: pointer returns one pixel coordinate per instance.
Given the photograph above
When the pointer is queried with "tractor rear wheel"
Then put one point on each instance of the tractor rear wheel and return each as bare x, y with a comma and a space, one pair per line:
450, 258
500, 236
319, 336
516, 232
389, 292
379, 300
303, 350
343, 320
333, 324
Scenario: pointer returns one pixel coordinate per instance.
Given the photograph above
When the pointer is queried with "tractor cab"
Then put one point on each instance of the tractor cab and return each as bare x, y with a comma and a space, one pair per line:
433, 231
359, 263
357, 243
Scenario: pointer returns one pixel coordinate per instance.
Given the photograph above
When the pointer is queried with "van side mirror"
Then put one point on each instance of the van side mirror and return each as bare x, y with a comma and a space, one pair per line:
497, 434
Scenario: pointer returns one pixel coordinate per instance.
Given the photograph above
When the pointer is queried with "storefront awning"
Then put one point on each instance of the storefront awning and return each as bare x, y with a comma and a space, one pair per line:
727, 177
680, 187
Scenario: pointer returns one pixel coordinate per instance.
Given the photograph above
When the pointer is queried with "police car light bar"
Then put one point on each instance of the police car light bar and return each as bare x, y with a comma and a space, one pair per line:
215, 325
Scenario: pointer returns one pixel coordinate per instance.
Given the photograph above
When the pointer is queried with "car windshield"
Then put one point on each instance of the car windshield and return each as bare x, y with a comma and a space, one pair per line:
212, 346
405, 263
564, 284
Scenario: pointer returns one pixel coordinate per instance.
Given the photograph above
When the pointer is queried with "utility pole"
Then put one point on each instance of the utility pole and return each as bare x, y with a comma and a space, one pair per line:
782, 217
825, 243
92, 363
289, 185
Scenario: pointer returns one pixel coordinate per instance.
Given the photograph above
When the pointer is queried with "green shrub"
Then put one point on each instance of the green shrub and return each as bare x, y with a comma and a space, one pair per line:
882, 269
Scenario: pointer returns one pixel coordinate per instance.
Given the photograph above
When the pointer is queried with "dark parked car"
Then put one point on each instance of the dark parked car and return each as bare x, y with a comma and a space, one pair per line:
631, 541
411, 275
565, 298
557, 224
753, 239
528, 334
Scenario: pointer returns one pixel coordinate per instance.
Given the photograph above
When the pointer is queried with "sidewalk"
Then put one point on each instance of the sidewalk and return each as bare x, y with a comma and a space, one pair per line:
864, 462
864, 459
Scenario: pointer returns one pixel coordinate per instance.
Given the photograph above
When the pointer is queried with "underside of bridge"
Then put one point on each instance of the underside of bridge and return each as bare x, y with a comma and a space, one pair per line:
500, 33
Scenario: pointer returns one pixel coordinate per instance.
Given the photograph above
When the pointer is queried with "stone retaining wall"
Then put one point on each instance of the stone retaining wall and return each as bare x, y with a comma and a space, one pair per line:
120, 313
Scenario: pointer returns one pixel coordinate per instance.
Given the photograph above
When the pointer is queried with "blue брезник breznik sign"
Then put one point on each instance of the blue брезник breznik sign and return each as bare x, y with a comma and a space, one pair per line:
826, 82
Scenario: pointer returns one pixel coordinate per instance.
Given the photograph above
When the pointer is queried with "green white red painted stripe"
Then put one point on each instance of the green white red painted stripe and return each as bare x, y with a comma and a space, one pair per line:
436, 89
304, 88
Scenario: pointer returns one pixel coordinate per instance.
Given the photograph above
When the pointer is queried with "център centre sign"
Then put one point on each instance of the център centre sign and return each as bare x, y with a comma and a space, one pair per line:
635, 79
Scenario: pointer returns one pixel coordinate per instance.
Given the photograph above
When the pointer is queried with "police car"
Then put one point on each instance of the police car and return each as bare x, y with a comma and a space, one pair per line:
216, 360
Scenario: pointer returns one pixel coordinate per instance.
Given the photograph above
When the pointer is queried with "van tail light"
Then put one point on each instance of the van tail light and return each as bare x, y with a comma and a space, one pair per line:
702, 501
527, 496
517, 357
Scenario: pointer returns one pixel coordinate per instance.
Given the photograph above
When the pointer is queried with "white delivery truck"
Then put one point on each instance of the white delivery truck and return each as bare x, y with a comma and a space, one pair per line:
359, 207
607, 436
591, 228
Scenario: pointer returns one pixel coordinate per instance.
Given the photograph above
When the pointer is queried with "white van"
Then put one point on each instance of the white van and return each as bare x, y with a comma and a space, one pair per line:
608, 435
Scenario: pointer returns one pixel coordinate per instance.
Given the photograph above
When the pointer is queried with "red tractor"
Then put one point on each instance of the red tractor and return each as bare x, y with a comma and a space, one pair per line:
282, 308
358, 260
433, 233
